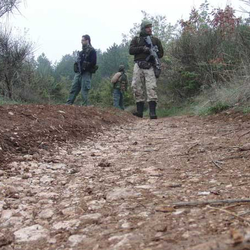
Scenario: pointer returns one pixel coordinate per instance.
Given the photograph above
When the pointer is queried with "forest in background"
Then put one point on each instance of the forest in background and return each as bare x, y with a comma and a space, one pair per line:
205, 68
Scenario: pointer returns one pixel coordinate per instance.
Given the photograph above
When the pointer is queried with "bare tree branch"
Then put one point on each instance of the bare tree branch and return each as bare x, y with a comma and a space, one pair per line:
247, 2
8, 6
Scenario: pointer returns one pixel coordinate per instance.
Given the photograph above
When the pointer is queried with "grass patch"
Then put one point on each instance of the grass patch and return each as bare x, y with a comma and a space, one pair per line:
245, 109
173, 111
167, 112
6, 101
217, 108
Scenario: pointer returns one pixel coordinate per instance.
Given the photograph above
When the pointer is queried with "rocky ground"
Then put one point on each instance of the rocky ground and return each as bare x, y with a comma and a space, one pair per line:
84, 178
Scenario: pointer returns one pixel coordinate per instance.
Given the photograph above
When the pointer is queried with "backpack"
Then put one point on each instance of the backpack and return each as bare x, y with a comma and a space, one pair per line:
116, 77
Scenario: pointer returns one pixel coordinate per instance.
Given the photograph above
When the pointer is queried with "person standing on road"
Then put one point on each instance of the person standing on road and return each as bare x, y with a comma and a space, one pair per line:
83, 68
120, 85
144, 69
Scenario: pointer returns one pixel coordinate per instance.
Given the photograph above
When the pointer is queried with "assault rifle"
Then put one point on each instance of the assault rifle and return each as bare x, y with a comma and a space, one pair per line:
153, 54
81, 65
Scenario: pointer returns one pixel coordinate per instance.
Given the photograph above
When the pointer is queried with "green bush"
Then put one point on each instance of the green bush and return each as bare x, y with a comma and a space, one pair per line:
208, 50
7, 101
217, 108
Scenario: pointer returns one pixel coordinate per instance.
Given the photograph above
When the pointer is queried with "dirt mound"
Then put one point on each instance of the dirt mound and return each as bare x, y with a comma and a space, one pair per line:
26, 128
230, 115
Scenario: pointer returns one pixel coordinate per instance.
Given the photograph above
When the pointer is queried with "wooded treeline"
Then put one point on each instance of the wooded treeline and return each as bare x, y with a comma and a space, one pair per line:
209, 49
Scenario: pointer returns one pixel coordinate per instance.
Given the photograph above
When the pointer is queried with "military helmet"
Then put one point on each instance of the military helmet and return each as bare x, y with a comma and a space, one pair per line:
145, 24
121, 68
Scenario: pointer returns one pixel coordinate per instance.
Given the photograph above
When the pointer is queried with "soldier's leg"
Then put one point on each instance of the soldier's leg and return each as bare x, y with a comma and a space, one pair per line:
116, 98
137, 84
75, 89
121, 104
137, 87
86, 85
150, 82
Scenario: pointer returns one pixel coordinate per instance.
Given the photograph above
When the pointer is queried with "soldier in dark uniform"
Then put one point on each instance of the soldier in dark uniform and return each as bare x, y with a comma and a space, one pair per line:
83, 67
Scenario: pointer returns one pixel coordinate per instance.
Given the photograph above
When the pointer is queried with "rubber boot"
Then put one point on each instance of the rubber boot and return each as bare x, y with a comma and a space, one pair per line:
152, 113
140, 107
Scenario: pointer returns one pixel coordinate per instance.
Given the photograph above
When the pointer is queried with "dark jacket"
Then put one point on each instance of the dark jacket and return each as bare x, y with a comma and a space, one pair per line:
86, 60
137, 44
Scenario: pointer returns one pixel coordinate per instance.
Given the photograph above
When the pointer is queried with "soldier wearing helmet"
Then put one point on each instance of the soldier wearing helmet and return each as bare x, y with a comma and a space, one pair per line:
144, 74
120, 83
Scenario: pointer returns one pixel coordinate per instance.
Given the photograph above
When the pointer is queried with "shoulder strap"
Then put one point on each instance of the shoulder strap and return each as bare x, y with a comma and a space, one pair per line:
120, 77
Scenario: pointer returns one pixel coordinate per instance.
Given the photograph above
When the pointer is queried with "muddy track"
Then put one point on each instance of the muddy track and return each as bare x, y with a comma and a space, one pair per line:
117, 190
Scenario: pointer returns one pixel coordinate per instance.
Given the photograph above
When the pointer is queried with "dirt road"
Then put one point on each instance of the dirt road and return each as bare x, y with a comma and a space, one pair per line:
117, 188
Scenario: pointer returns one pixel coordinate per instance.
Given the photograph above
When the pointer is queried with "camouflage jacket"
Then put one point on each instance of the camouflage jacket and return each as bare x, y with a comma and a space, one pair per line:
122, 82
137, 44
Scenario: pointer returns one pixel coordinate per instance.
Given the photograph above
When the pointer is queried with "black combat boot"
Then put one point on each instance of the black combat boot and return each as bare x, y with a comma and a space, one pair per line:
140, 107
152, 113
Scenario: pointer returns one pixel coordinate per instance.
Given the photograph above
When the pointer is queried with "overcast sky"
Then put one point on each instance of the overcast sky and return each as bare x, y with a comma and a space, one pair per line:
56, 26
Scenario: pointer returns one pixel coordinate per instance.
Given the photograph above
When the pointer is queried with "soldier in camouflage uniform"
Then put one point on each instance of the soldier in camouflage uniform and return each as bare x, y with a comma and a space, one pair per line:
120, 85
143, 75
83, 67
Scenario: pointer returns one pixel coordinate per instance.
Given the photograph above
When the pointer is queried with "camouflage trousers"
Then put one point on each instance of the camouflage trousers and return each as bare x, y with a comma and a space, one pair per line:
144, 84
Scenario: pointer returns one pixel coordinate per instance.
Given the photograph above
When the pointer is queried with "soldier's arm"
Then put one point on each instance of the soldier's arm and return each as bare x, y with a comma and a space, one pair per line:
160, 48
134, 47
91, 61
92, 58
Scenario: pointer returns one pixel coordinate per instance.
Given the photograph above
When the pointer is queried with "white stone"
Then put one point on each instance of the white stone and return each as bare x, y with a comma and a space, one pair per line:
52, 241
57, 166
14, 222
180, 211
46, 179
126, 225
32, 233
46, 214
144, 187
121, 193
89, 218
195, 180
94, 205
1, 205
76, 239
66, 224
125, 240
49, 195
69, 211
116, 237
204, 193
6, 214
186, 235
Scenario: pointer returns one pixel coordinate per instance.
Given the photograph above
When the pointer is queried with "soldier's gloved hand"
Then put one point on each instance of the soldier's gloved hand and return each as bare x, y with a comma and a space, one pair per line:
146, 50
76, 70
